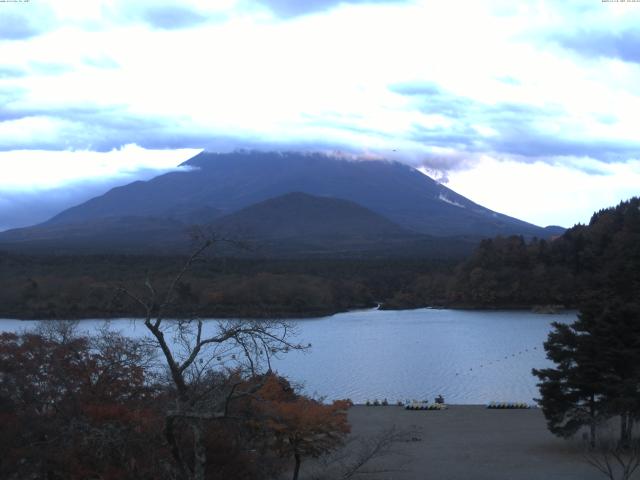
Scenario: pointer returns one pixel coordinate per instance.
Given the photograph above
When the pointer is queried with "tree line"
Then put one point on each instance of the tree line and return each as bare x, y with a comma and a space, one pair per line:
503, 272
602, 255
83, 286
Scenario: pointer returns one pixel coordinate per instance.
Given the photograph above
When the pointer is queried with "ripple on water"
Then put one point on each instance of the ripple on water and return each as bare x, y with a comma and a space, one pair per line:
467, 356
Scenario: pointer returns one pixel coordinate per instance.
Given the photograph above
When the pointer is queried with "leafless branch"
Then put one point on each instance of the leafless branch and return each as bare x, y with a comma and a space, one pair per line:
356, 457
613, 461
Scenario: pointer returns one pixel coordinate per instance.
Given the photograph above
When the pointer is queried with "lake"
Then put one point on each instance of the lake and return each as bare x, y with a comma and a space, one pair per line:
470, 357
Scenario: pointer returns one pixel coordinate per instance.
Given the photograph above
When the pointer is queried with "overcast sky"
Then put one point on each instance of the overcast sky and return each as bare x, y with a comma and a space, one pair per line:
531, 108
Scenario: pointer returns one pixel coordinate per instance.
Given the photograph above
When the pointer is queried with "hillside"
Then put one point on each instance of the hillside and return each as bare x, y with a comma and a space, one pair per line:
224, 183
510, 272
300, 215
126, 234
292, 225
289, 204
503, 272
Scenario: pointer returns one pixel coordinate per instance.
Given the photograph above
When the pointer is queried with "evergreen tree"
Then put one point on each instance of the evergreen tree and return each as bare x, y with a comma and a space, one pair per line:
597, 373
572, 391
615, 331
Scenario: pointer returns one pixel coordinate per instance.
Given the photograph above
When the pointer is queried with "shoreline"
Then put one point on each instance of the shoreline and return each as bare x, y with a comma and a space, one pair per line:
301, 315
472, 441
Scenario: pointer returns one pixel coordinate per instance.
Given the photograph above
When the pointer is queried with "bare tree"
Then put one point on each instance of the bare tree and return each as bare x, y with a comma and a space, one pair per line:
208, 363
614, 461
358, 457
61, 331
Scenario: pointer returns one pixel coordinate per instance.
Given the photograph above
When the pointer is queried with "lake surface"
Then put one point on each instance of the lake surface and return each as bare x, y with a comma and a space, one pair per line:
469, 357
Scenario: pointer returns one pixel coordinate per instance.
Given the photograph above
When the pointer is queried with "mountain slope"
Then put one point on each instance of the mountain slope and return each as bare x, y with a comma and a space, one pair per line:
113, 234
298, 224
292, 225
300, 215
603, 255
224, 183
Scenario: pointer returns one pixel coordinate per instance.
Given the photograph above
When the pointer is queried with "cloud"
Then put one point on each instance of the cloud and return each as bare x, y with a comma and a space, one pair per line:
35, 184
448, 133
22, 21
422, 89
101, 61
517, 130
100, 129
172, 16
622, 45
15, 26
535, 145
7, 71
546, 194
22, 209
295, 8
8, 95
164, 14
49, 68
509, 80
23, 170
414, 81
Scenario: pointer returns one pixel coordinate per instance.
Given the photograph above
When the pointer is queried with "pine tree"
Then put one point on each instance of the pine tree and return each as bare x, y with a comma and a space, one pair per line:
597, 373
572, 392
615, 329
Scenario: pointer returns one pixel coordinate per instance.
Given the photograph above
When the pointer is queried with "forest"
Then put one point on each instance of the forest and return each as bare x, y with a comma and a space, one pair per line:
509, 271
503, 272
41, 287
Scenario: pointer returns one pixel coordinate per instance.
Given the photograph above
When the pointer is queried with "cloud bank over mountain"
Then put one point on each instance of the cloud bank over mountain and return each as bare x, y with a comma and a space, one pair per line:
440, 86
35, 185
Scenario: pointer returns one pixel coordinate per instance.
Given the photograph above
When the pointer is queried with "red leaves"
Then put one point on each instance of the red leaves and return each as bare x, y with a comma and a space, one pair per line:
80, 399
300, 425
78, 408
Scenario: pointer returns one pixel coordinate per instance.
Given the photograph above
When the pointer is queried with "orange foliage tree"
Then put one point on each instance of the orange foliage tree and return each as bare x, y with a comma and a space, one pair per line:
76, 408
298, 426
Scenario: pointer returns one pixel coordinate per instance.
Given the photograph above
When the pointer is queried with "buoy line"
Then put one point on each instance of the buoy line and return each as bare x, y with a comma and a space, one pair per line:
487, 364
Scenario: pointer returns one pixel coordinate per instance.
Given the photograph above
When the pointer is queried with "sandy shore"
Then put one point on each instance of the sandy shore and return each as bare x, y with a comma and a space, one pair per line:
473, 443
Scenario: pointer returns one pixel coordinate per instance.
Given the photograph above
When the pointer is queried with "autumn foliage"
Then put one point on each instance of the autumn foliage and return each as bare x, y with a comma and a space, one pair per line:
296, 426
75, 408
78, 407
